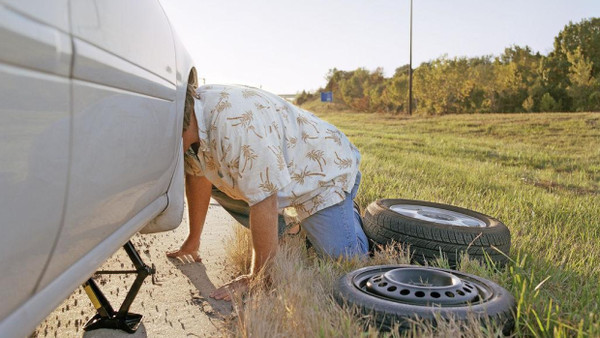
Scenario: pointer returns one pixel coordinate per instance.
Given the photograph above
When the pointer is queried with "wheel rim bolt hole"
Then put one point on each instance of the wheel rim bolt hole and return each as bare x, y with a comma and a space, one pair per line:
432, 288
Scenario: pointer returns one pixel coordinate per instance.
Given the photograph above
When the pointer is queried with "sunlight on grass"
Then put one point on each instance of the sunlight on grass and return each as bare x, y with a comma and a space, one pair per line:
538, 173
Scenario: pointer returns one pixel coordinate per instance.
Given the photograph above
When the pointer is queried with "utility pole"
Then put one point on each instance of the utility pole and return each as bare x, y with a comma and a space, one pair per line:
410, 69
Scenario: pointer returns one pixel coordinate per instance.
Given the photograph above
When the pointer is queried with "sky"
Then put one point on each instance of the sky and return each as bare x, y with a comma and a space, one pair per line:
286, 46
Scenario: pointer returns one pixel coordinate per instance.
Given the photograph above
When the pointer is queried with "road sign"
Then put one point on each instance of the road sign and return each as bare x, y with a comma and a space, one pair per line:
326, 96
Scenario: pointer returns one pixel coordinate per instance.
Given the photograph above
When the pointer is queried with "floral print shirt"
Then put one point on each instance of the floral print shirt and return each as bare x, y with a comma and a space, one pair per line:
254, 144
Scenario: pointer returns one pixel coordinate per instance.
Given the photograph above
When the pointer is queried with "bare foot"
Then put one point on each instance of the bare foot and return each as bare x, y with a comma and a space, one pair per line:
186, 256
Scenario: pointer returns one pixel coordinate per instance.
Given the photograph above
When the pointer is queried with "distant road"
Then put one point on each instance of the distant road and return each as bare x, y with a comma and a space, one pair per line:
289, 97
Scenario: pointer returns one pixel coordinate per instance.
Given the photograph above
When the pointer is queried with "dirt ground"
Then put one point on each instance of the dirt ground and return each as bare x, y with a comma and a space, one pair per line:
177, 306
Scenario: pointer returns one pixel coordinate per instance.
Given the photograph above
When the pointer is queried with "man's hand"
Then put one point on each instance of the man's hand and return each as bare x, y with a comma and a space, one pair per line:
263, 226
239, 284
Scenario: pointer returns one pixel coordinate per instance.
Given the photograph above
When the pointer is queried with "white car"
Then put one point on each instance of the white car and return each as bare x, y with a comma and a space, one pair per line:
91, 111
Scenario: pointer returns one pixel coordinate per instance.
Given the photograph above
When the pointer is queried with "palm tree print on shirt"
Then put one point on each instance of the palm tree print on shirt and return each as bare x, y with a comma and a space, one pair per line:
317, 156
233, 166
245, 120
279, 155
343, 180
225, 151
303, 120
316, 203
249, 156
291, 142
211, 164
342, 162
223, 102
306, 137
259, 106
296, 204
246, 93
283, 110
327, 184
266, 185
275, 127
299, 177
335, 136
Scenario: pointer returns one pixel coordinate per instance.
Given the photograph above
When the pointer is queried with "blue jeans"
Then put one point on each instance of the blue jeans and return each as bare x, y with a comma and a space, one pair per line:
337, 230
334, 231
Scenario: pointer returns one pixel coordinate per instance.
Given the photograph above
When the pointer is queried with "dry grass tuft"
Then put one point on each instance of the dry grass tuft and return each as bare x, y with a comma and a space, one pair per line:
238, 248
470, 328
395, 253
296, 300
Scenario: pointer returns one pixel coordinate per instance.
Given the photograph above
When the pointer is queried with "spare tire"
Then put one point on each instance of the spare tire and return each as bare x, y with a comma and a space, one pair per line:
433, 230
397, 294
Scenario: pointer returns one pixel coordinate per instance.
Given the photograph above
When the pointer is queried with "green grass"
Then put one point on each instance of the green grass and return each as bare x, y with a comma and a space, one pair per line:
538, 173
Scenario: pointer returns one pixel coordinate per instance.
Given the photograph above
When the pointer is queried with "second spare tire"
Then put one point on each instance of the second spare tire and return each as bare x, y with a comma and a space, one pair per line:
435, 229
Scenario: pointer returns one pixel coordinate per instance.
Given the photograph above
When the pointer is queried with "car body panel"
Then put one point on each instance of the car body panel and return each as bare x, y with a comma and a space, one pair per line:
90, 142
34, 45
51, 12
34, 149
95, 65
171, 217
122, 100
111, 180
137, 31
22, 321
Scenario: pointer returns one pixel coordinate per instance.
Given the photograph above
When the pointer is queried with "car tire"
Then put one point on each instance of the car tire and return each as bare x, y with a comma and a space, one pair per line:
488, 302
433, 230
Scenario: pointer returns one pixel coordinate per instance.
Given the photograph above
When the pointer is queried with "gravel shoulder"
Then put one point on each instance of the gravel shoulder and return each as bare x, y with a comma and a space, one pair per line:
178, 305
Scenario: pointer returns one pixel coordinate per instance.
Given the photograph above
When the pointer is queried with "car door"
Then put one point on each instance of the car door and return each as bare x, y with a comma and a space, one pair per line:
124, 121
35, 60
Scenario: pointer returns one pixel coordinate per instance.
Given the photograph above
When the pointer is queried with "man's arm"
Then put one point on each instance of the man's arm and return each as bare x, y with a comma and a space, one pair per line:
263, 227
198, 190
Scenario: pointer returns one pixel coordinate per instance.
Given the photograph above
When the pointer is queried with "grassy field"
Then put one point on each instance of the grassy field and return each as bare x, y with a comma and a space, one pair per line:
538, 173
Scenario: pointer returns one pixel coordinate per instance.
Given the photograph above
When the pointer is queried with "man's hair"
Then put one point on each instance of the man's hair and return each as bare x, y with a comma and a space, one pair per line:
188, 109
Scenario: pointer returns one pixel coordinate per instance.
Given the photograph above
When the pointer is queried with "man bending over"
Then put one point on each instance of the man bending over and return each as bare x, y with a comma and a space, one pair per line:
269, 163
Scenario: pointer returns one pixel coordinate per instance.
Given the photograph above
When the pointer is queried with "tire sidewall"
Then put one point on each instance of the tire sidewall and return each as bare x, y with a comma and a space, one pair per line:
386, 312
492, 224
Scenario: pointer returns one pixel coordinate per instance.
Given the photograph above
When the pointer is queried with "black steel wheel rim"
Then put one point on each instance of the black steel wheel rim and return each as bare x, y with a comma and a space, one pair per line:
423, 286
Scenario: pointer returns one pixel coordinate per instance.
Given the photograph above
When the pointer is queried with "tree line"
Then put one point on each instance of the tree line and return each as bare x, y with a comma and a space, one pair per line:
519, 80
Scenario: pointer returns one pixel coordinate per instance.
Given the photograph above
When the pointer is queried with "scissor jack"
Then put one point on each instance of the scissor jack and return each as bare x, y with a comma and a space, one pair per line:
106, 317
